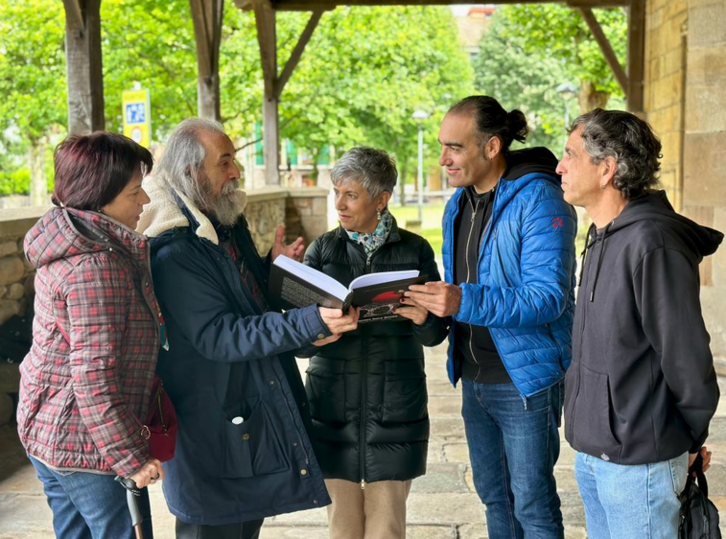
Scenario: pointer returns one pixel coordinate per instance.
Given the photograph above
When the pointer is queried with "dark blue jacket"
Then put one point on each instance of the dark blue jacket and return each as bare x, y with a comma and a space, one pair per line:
525, 294
228, 360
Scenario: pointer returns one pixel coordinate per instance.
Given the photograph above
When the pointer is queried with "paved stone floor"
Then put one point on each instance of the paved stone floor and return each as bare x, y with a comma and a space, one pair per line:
442, 504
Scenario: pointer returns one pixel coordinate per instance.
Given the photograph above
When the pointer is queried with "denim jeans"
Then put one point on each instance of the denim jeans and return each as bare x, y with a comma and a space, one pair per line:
90, 505
513, 446
631, 502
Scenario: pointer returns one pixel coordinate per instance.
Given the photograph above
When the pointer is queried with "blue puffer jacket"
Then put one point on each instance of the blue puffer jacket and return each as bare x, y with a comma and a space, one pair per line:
526, 274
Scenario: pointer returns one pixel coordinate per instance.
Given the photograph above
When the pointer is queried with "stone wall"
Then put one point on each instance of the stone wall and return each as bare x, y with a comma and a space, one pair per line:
686, 104
704, 181
16, 275
665, 53
307, 213
265, 211
303, 211
16, 290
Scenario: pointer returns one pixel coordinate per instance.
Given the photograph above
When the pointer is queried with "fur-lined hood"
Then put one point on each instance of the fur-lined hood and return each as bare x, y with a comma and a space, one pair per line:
163, 212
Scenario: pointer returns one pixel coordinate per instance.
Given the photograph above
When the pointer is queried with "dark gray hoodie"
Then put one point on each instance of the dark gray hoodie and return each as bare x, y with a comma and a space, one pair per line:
641, 387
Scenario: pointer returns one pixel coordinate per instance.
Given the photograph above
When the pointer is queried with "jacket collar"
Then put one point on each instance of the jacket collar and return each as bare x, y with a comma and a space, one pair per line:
393, 235
170, 209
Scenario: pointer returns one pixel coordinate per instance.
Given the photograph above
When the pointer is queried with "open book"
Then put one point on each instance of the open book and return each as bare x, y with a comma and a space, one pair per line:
377, 294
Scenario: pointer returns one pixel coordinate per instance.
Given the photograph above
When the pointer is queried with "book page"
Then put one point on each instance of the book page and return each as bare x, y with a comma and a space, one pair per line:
371, 279
301, 296
312, 276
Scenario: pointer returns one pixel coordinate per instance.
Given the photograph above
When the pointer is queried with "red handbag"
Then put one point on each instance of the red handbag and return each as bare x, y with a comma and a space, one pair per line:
161, 424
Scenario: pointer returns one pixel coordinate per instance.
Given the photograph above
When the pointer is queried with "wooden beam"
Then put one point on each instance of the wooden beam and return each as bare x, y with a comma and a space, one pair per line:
297, 52
302, 5
207, 16
636, 56
267, 39
74, 15
606, 48
84, 66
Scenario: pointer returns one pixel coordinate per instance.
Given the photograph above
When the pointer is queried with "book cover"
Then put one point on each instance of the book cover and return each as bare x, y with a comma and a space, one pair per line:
377, 302
293, 284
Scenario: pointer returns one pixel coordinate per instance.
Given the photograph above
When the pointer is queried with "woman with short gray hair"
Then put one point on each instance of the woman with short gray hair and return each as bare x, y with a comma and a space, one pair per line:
367, 389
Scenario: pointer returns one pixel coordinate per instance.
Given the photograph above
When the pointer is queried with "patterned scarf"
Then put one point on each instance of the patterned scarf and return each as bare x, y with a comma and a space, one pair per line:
373, 240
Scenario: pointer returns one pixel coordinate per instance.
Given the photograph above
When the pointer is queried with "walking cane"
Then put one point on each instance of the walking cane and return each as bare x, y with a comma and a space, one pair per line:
133, 492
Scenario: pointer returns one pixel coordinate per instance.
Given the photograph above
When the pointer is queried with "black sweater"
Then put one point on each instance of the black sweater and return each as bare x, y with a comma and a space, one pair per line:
641, 387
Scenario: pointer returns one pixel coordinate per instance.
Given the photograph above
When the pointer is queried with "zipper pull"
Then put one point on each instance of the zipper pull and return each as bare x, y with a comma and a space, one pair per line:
362, 484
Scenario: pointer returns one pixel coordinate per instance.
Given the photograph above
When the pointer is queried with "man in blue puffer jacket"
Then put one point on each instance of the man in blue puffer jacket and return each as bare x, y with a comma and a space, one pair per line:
509, 261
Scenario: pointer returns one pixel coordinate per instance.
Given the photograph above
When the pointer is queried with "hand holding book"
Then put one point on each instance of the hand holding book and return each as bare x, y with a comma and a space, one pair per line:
378, 295
337, 323
409, 309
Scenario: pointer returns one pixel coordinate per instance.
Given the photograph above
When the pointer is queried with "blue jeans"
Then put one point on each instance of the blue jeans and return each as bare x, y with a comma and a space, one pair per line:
89, 505
631, 502
513, 446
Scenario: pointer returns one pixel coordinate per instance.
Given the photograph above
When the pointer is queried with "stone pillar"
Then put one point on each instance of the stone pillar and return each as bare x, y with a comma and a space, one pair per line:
704, 176
686, 105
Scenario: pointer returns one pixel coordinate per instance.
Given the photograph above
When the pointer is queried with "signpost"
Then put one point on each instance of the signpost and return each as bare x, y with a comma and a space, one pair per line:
137, 116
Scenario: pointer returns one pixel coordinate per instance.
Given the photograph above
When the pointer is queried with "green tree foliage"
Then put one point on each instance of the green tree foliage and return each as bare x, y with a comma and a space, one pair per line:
522, 80
152, 43
32, 67
530, 49
368, 70
560, 32
32, 85
360, 79
363, 74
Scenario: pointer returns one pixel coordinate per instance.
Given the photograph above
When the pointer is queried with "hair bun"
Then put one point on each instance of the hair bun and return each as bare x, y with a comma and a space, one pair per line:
516, 125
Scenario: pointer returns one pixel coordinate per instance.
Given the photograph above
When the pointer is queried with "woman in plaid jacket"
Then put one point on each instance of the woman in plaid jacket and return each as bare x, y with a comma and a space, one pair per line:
86, 381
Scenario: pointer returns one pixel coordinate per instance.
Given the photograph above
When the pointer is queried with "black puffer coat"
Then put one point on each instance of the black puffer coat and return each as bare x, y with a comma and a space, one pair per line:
367, 391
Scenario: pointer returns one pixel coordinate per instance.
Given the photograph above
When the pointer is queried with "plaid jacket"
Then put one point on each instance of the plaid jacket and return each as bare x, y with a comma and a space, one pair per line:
88, 375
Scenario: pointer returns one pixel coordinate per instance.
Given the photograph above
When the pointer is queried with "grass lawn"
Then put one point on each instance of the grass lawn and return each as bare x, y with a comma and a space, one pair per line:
431, 226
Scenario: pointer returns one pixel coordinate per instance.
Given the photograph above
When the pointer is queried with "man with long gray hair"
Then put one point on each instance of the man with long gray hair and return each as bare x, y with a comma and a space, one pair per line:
243, 452
641, 390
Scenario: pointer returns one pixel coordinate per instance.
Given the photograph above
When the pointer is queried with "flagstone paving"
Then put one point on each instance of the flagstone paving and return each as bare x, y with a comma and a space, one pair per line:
442, 504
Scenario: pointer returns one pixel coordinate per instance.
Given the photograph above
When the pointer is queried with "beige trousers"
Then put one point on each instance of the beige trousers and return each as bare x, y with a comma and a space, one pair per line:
376, 512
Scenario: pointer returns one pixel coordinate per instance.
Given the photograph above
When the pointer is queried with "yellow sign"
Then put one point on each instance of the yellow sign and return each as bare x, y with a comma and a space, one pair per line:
137, 116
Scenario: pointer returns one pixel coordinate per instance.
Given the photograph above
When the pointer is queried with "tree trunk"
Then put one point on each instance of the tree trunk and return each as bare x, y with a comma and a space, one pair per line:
38, 183
590, 98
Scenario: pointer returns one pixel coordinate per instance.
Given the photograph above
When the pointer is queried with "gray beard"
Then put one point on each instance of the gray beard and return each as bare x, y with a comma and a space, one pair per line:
224, 208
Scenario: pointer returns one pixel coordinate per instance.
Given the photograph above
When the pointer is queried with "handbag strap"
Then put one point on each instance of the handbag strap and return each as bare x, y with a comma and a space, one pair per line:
700, 479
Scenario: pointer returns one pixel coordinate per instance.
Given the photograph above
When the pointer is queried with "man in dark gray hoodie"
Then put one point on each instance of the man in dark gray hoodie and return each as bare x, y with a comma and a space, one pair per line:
641, 389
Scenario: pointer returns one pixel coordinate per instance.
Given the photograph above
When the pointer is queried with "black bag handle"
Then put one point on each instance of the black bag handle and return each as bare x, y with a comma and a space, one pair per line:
697, 468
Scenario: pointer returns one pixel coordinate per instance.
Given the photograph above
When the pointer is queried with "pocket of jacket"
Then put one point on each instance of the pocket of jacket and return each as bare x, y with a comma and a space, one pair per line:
405, 398
252, 448
593, 432
326, 394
